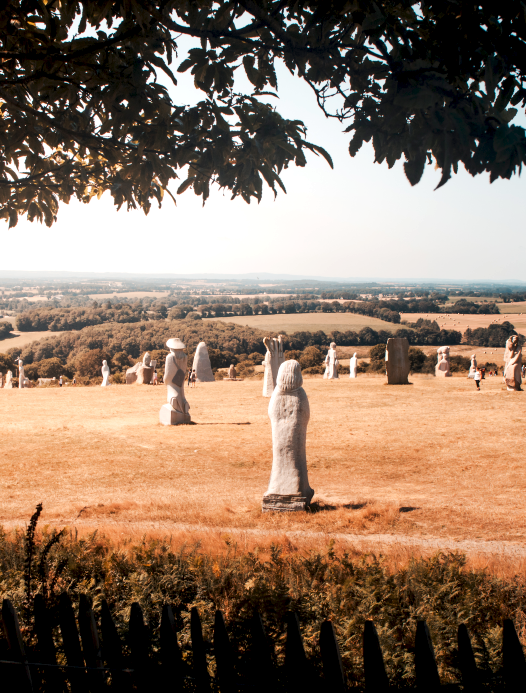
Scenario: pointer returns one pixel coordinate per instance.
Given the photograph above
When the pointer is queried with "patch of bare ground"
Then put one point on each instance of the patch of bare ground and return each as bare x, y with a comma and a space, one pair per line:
434, 460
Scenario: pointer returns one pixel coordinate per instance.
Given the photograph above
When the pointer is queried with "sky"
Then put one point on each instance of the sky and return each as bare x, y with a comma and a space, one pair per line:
359, 220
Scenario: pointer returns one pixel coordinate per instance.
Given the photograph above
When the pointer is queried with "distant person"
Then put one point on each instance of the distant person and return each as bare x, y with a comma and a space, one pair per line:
60, 381
189, 377
476, 378
74, 382
155, 377
194, 378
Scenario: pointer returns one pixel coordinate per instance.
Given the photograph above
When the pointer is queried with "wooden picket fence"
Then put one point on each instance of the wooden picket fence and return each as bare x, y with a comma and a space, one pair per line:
92, 660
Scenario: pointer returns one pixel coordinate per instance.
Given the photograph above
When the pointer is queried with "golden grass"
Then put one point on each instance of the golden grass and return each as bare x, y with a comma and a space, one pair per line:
130, 294
22, 339
311, 322
450, 458
453, 321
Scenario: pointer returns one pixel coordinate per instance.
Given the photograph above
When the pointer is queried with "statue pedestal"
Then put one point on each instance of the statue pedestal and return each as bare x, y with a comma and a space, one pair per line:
275, 502
234, 380
168, 416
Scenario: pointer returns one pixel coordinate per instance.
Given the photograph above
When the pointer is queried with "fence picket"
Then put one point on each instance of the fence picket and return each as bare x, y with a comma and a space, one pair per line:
427, 678
376, 679
46, 647
200, 668
513, 662
470, 675
172, 671
139, 643
331, 659
22, 675
261, 656
71, 644
91, 646
112, 651
296, 663
224, 655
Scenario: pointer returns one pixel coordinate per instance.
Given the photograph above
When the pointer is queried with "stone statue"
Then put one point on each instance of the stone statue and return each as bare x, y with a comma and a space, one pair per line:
442, 367
105, 374
232, 372
331, 363
9, 380
473, 366
142, 372
1, 380
273, 359
397, 361
201, 365
22, 380
289, 414
353, 366
176, 411
513, 367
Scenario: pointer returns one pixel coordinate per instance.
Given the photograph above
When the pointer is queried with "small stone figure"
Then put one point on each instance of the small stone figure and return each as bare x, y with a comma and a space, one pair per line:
202, 366
232, 372
105, 374
331, 363
9, 380
22, 380
513, 369
397, 361
442, 367
176, 411
289, 414
353, 366
473, 366
274, 357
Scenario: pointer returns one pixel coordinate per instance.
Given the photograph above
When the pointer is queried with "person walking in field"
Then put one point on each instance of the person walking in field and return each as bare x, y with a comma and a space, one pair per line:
155, 377
189, 377
476, 378
194, 378
60, 381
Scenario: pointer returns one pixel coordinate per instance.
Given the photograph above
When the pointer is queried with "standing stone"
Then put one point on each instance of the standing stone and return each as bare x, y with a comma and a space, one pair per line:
22, 380
289, 414
397, 361
105, 374
232, 372
141, 373
353, 366
176, 411
1, 380
442, 367
473, 366
9, 380
273, 360
331, 363
202, 367
513, 368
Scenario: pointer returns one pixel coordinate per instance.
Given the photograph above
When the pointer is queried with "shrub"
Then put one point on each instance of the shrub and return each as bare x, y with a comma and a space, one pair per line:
294, 354
89, 363
194, 316
50, 368
6, 364
311, 358
459, 364
5, 330
417, 359
122, 360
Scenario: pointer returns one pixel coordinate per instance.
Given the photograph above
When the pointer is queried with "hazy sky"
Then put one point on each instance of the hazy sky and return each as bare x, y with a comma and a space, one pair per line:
359, 220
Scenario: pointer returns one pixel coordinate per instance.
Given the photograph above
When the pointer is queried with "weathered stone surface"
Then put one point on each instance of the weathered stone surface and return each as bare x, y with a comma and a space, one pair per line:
174, 378
144, 375
273, 359
331, 363
397, 361
135, 374
473, 366
353, 366
513, 364
442, 367
289, 414
105, 374
202, 366
232, 374
22, 380
9, 380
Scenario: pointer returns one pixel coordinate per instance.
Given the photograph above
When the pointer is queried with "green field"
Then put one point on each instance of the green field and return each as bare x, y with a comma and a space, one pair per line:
311, 322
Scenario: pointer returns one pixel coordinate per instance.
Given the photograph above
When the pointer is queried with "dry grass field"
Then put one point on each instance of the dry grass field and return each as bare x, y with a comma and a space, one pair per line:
433, 462
453, 321
311, 322
22, 339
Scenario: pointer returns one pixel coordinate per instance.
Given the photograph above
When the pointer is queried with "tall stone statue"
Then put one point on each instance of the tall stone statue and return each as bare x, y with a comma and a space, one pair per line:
232, 374
473, 366
513, 367
331, 363
22, 380
142, 372
202, 366
289, 414
9, 380
273, 359
105, 374
353, 366
442, 367
176, 411
397, 361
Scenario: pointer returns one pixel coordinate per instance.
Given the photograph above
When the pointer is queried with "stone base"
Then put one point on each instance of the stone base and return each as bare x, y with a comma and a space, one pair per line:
168, 416
284, 504
234, 379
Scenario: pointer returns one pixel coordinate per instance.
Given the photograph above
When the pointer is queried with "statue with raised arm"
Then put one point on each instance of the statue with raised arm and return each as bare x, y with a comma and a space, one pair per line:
274, 357
353, 366
513, 368
331, 363
176, 411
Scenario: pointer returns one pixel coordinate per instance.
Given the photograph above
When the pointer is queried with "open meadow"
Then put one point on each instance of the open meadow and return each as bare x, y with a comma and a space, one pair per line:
454, 321
434, 463
311, 322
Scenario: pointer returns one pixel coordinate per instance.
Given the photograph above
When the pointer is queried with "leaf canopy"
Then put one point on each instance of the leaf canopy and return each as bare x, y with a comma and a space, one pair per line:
83, 111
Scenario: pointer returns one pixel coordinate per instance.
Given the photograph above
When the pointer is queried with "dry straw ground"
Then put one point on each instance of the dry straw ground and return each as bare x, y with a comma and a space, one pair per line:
432, 461
311, 322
